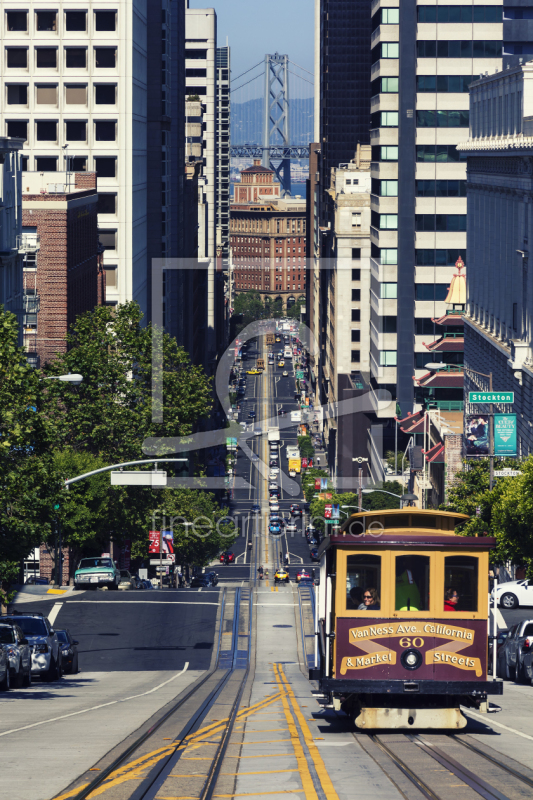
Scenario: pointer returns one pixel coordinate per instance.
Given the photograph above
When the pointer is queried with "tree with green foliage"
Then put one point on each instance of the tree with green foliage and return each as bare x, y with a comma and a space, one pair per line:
308, 481
306, 446
375, 501
29, 483
111, 413
202, 529
295, 310
506, 512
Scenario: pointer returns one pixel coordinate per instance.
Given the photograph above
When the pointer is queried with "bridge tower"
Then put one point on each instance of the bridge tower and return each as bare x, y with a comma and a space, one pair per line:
276, 117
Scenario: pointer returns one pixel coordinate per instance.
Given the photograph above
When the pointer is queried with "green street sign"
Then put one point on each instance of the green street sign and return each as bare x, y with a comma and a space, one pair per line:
505, 435
491, 397
299, 374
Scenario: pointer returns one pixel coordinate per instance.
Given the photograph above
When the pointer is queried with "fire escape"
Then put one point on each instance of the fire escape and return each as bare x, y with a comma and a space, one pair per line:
28, 247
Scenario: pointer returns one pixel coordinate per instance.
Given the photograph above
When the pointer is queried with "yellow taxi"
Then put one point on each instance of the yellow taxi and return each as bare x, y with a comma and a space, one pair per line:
281, 576
281, 363
253, 371
278, 338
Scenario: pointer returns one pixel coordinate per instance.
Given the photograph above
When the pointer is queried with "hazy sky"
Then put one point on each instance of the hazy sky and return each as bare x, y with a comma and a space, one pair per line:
256, 27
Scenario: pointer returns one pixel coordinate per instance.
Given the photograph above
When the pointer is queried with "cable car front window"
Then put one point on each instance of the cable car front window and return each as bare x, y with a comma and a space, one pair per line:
460, 583
363, 582
412, 583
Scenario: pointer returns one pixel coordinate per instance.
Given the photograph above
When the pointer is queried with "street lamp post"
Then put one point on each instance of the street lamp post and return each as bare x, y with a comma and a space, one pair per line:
409, 497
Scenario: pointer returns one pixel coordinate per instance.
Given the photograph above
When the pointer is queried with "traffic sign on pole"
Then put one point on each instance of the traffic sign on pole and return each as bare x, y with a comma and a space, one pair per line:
491, 397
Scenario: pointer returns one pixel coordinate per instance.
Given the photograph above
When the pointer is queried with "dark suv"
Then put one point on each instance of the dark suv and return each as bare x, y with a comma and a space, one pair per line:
46, 660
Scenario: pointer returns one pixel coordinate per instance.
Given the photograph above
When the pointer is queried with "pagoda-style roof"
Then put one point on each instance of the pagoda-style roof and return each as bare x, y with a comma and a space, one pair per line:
447, 344
450, 378
457, 291
452, 317
435, 454
412, 423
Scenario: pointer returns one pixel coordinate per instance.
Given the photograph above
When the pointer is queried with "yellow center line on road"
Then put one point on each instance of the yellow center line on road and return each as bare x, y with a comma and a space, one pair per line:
303, 767
265, 772
320, 767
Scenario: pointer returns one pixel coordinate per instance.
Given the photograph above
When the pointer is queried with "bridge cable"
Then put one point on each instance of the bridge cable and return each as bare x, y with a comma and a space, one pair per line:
247, 71
301, 77
250, 81
303, 68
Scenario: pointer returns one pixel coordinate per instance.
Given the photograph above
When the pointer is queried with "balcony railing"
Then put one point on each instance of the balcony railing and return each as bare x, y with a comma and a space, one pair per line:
447, 405
28, 242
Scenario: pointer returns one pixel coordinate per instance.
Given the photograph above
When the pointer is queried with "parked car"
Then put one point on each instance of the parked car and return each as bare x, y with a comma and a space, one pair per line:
274, 527
46, 657
18, 654
314, 554
94, 572
514, 593
274, 505
205, 580
36, 580
510, 664
5, 677
229, 555
69, 651
126, 582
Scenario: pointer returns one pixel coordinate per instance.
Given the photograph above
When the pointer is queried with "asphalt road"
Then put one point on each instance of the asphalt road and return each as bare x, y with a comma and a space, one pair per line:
266, 393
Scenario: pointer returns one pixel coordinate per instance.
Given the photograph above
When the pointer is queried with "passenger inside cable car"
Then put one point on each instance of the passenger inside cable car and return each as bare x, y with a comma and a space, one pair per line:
458, 580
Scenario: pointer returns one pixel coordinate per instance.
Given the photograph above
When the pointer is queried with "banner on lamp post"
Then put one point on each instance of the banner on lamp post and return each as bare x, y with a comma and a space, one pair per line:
505, 435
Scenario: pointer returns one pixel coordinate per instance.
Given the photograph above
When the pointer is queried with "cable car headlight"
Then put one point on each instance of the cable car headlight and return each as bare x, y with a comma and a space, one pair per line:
411, 659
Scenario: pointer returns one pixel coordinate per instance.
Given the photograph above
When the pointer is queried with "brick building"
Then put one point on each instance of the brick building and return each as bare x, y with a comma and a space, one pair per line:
63, 259
268, 238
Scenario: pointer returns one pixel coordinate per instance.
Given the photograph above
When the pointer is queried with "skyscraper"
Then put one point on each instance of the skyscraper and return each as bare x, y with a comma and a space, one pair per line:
344, 75
420, 78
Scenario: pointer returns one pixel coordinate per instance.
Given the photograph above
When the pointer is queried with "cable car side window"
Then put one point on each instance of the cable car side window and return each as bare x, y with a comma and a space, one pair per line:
412, 583
363, 582
460, 583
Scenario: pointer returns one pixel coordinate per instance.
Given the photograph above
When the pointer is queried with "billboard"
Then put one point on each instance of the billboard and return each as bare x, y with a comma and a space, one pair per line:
327, 512
477, 435
505, 435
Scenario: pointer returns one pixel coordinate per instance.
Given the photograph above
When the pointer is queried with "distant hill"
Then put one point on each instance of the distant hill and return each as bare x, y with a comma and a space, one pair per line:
247, 121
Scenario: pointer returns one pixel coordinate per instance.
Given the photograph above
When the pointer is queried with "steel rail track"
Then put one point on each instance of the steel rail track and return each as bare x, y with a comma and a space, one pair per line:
469, 778
195, 719
207, 790
495, 761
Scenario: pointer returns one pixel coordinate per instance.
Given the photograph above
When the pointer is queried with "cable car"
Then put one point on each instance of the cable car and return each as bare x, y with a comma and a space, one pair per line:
403, 620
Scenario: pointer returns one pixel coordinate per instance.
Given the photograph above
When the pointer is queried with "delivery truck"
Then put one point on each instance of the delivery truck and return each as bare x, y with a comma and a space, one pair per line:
273, 435
295, 465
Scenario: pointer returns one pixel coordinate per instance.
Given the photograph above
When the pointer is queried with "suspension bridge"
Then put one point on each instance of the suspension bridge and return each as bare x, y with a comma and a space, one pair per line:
276, 151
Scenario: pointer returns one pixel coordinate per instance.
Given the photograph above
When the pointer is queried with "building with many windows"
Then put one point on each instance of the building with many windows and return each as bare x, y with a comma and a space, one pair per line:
91, 88
11, 245
268, 238
498, 329
419, 113
223, 126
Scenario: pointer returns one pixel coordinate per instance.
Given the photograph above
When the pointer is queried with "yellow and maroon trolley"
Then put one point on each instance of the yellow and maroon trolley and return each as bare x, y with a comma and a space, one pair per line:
402, 612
